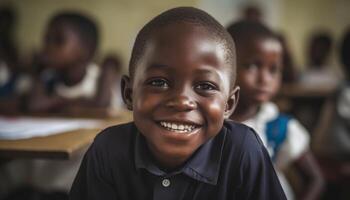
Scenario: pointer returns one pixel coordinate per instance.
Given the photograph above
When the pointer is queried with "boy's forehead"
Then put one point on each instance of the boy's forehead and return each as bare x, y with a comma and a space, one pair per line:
187, 40
180, 31
184, 44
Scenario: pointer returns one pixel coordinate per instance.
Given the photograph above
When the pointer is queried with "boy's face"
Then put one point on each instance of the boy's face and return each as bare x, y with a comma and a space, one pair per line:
180, 93
62, 46
259, 70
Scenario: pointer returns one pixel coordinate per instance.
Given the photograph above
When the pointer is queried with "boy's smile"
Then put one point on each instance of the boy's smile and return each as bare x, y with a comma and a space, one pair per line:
180, 92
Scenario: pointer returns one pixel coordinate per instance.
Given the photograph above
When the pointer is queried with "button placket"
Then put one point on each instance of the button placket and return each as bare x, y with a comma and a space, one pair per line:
166, 182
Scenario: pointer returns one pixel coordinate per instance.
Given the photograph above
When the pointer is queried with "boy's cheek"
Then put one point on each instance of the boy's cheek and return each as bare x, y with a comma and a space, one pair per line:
216, 109
145, 102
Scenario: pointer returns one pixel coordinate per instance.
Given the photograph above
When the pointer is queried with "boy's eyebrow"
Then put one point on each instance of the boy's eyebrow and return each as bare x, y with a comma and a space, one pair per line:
211, 73
156, 66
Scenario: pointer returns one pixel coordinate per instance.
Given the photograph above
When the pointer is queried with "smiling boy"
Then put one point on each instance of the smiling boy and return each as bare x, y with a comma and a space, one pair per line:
181, 89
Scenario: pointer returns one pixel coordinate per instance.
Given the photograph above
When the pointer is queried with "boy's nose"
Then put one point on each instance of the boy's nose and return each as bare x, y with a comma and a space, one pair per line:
181, 103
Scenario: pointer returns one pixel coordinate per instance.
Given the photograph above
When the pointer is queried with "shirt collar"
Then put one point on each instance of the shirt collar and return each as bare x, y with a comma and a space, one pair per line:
203, 166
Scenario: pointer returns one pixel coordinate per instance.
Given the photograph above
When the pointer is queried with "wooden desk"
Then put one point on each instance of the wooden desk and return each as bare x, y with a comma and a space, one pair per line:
59, 146
304, 101
297, 90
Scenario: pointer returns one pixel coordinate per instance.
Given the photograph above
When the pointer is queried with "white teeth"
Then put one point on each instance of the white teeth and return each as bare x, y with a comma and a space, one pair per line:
181, 128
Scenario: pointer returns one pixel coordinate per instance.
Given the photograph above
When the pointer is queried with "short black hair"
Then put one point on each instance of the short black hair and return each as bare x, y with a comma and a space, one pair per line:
345, 52
84, 26
246, 30
191, 15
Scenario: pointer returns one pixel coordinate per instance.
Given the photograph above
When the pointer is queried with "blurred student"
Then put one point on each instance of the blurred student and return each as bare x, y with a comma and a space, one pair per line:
259, 54
111, 73
332, 135
68, 82
318, 70
319, 50
70, 79
252, 12
8, 52
13, 82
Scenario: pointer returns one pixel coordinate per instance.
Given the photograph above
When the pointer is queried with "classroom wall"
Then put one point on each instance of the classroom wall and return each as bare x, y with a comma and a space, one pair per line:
118, 20
299, 18
227, 11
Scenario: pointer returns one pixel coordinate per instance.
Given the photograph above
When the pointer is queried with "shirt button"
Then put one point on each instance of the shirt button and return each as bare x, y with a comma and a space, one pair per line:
166, 182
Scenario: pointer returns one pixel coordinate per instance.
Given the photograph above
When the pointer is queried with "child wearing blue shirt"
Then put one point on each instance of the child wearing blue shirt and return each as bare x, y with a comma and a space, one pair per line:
260, 72
181, 90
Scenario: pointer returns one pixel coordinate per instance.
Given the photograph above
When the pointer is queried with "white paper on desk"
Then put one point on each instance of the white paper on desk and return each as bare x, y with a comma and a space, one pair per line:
28, 127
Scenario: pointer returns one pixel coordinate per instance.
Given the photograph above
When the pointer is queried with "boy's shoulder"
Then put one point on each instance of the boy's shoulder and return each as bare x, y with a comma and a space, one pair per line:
248, 163
116, 137
239, 133
243, 145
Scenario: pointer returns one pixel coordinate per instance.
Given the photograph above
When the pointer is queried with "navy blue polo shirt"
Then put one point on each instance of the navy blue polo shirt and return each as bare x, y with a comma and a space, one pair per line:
232, 165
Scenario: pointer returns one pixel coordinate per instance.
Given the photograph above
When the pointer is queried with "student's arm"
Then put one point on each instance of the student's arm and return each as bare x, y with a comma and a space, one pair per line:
315, 183
10, 106
91, 182
105, 86
40, 102
296, 150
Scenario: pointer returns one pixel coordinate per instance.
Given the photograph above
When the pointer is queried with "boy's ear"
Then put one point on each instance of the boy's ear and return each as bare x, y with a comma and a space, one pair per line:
127, 91
231, 102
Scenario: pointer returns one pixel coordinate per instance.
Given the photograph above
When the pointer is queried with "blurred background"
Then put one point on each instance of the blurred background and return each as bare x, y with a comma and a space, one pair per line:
311, 32
120, 20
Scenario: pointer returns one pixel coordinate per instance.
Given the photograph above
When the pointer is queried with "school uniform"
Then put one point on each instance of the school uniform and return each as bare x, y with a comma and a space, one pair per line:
232, 165
86, 88
294, 143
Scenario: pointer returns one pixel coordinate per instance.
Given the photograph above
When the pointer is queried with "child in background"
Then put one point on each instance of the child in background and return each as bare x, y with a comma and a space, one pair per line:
332, 135
181, 89
111, 73
259, 65
70, 79
8, 53
14, 83
319, 71
68, 83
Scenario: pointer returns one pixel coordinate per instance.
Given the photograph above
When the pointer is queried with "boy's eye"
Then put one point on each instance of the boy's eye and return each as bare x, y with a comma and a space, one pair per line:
161, 83
206, 86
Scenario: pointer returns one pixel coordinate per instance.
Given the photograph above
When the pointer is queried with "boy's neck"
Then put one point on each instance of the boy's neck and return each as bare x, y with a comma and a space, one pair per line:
74, 74
245, 112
